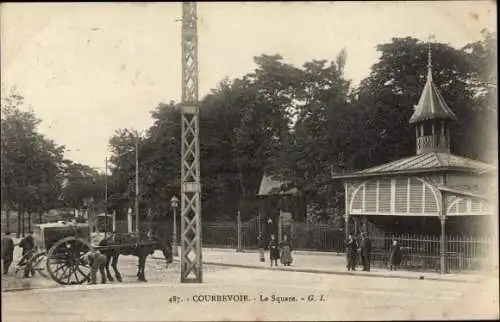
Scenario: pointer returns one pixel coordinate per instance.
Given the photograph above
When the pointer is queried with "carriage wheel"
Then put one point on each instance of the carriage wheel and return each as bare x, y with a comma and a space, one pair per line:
39, 264
63, 261
37, 261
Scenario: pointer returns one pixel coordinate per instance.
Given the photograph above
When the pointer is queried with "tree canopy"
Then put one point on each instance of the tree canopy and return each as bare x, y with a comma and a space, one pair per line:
298, 124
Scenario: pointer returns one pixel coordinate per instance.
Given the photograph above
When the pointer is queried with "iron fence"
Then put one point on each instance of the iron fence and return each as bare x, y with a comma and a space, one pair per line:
220, 234
423, 252
420, 252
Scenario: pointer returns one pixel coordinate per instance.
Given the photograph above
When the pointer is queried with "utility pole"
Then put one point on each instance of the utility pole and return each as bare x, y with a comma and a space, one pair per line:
191, 266
106, 198
137, 182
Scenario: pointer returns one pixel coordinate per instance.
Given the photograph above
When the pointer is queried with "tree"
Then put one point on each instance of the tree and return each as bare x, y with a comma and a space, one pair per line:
82, 185
385, 100
30, 162
317, 143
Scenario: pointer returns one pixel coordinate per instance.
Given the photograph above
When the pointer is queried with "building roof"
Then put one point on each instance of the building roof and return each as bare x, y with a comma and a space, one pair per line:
425, 162
271, 187
468, 191
431, 105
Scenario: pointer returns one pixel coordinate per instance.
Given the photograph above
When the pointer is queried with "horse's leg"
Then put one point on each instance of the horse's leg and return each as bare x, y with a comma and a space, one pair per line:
114, 264
108, 273
142, 264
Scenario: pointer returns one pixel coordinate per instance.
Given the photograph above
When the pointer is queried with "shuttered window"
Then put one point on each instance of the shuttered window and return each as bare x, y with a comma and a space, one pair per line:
357, 203
476, 206
416, 195
462, 206
384, 196
430, 202
401, 195
371, 196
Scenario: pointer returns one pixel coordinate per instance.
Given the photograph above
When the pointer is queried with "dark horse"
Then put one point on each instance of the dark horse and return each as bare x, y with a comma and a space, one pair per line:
132, 244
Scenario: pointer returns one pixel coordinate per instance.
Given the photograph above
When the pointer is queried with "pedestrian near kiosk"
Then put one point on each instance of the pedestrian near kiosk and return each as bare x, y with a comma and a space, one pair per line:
286, 251
366, 250
7, 252
395, 256
274, 252
352, 250
262, 245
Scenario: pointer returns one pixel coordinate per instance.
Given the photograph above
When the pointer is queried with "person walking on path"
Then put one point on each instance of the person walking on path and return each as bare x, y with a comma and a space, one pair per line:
7, 252
286, 251
97, 262
274, 252
352, 250
366, 250
28, 246
261, 244
395, 256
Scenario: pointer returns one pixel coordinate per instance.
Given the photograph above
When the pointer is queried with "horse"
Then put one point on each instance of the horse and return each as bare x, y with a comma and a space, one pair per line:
144, 246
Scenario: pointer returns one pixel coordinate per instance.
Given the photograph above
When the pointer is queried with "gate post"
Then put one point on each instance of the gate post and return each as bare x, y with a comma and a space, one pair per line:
129, 220
280, 226
442, 245
238, 224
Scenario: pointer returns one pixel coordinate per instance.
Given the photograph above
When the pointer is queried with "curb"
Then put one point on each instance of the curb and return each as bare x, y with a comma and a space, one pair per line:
331, 272
255, 251
20, 289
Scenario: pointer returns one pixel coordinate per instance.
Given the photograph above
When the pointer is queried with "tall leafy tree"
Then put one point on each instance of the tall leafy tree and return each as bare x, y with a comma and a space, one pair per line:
385, 101
31, 163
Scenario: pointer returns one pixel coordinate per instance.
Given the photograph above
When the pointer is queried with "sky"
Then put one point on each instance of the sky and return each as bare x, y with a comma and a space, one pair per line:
88, 69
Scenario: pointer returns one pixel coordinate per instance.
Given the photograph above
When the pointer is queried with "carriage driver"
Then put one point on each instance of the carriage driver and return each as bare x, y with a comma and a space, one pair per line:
96, 261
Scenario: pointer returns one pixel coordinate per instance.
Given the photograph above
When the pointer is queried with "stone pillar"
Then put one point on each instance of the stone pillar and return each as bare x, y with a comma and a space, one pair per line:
346, 218
129, 220
442, 245
280, 227
114, 221
238, 224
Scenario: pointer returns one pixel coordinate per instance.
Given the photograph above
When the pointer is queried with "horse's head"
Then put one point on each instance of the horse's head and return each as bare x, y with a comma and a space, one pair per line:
165, 248
167, 252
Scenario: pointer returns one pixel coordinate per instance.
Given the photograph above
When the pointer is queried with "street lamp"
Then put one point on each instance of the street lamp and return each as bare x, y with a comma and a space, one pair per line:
137, 139
175, 204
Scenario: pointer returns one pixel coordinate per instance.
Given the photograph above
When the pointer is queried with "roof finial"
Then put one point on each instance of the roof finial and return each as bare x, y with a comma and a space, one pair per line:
429, 63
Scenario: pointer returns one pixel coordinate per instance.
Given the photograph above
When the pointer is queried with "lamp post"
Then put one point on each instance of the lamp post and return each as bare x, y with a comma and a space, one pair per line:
137, 139
175, 204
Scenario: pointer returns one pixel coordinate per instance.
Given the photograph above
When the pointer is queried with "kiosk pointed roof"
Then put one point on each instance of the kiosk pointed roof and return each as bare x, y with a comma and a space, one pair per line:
431, 105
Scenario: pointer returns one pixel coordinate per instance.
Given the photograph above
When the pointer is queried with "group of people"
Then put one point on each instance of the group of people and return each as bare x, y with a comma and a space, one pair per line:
364, 249
27, 245
282, 251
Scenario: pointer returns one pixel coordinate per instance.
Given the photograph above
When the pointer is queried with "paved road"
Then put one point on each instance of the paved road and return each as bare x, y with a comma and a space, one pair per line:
344, 298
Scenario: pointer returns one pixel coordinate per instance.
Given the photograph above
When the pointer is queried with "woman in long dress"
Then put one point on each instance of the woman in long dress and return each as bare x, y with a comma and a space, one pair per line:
286, 251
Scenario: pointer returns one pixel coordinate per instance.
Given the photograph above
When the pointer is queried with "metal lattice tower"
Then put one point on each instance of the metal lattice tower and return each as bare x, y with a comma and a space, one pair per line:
191, 265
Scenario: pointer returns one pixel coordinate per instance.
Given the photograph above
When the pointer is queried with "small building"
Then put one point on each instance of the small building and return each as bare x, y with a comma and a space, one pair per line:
276, 203
433, 192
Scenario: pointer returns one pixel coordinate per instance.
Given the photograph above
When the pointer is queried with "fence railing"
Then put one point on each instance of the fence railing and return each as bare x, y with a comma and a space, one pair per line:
423, 252
420, 252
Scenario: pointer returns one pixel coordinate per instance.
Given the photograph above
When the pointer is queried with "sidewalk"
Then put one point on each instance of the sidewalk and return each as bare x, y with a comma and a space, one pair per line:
308, 262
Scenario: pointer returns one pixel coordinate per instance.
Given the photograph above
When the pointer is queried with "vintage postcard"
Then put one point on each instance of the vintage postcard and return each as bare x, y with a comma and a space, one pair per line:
249, 161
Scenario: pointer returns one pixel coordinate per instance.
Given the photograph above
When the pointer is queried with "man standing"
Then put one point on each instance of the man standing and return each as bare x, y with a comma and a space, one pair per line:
352, 248
366, 250
7, 252
28, 246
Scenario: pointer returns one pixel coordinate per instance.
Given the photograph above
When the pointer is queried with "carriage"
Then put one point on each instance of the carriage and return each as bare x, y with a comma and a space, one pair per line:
59, 248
